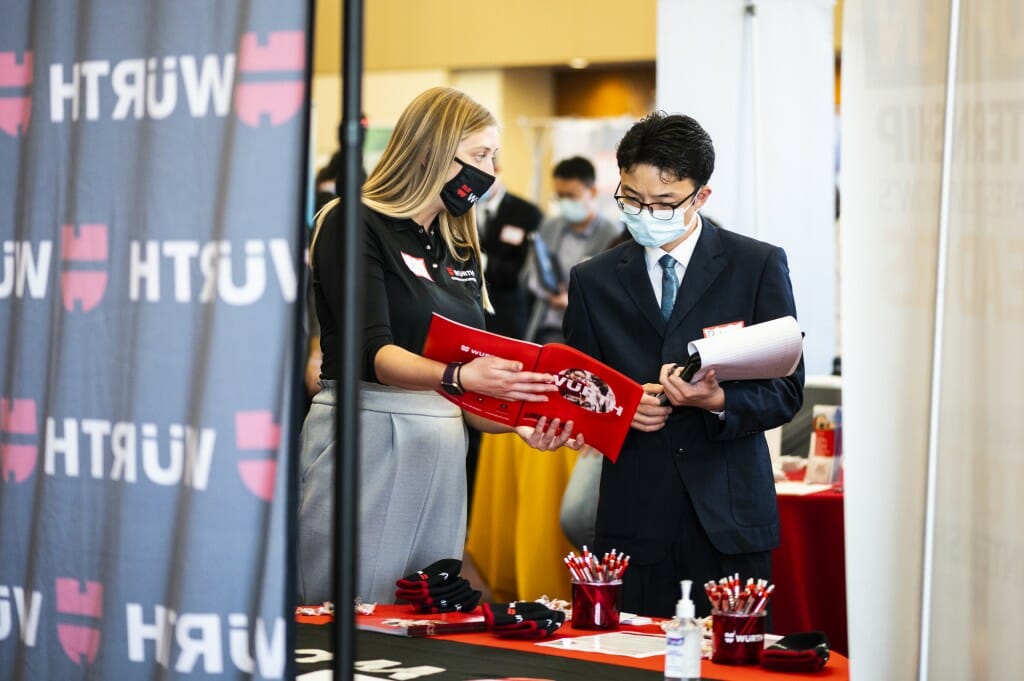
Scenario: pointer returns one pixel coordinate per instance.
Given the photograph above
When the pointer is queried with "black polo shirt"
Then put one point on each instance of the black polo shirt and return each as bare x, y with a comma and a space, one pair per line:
408, 273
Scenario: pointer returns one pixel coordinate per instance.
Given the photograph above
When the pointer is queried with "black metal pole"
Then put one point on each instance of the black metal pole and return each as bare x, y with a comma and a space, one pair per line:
346, 423
300, 345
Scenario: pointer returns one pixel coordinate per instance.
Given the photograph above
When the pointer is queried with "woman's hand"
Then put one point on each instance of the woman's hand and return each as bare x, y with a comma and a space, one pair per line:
505, 379
549, 436
650, 413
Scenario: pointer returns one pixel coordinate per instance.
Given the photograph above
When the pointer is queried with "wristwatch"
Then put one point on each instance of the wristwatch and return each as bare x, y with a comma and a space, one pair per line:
450, 382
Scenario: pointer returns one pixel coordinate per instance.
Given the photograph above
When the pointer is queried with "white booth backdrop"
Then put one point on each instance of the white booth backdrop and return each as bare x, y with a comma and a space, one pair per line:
764, 89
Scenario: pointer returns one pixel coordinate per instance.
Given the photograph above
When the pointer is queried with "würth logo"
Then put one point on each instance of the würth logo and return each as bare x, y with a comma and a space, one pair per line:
272, 83
154, 87
255, 431
79, 640
15, 98
19, 448
84, 247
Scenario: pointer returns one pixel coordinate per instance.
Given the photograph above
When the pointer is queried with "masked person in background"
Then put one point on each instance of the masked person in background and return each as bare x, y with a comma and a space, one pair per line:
575, 234
507, 224
422, 255
692, 494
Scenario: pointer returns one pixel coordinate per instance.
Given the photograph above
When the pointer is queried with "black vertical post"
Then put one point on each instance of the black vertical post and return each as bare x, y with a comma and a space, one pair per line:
300, 346
346, 424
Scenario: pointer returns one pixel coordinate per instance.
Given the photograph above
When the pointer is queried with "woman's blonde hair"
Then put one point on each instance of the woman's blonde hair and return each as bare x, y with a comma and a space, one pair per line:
412, 169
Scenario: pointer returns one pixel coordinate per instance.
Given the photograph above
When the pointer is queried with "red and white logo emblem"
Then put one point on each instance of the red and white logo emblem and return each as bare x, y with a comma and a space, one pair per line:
282, 58
255, 431
83, 247
16, 105
17, 454
79, 640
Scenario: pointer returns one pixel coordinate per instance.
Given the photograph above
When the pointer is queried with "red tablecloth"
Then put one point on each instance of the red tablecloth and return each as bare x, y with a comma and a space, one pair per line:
838, 667
809, 569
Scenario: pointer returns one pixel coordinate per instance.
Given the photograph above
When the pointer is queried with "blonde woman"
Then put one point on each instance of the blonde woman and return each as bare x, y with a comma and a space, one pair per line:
422, 255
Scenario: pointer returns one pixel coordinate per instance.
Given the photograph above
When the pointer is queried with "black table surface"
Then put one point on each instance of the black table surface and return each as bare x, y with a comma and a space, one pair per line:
397, 657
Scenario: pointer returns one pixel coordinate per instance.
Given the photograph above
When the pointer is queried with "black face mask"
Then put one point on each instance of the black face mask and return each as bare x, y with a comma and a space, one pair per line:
462, 191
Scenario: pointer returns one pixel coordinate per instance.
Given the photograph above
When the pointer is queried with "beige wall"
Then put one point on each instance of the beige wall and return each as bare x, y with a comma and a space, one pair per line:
511, 56
448, 34
513, 95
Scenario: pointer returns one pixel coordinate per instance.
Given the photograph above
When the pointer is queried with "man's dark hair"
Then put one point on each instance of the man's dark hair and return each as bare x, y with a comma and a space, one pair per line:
576, 168
675, 144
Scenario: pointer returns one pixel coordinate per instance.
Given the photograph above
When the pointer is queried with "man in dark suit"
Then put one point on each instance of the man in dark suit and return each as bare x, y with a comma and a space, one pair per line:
506, 222
692, 494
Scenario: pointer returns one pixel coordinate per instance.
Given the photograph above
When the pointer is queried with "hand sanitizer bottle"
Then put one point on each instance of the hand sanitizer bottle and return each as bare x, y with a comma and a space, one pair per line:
682, 640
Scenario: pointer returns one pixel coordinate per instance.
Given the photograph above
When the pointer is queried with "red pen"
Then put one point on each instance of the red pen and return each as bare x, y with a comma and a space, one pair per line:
763, 600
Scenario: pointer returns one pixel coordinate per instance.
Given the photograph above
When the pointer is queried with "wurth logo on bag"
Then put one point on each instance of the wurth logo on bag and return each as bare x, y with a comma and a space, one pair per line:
255, 431
79, 634
282, 58
15, 93
19, 448
83, 247
156, 87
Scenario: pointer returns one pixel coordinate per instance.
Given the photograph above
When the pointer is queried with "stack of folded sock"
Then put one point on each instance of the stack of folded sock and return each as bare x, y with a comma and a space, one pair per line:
522, 620
804, 652
438, 588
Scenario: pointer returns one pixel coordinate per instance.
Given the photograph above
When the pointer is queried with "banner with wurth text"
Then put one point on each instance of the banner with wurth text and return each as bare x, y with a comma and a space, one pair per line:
151, 163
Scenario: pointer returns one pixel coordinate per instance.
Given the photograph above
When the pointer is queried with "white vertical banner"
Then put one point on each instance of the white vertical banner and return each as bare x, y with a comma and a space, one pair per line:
892, 155
894, 101
762, 85
977, 597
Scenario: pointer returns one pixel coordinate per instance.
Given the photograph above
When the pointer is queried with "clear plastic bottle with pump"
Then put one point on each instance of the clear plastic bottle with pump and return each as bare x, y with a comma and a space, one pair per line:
682, 640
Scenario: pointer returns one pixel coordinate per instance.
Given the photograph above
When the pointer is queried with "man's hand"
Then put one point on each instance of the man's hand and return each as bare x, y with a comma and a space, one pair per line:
650, 414
705, 394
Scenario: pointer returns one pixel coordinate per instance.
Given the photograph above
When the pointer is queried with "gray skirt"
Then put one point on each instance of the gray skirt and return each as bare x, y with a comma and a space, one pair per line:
412, 489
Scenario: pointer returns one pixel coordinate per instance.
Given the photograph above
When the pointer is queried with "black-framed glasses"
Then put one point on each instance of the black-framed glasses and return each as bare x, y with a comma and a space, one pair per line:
658, 211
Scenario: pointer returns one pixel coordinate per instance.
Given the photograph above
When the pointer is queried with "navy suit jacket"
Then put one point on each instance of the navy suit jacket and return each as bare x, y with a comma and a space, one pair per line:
724, 465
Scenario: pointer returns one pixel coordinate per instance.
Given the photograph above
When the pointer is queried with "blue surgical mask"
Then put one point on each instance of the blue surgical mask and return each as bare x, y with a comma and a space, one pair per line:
573, 210
650, 232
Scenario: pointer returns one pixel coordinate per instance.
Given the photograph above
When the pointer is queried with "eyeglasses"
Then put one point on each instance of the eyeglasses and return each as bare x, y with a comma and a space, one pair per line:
658, 211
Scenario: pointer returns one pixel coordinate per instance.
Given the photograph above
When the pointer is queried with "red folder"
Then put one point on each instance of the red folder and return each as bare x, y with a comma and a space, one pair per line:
599, 400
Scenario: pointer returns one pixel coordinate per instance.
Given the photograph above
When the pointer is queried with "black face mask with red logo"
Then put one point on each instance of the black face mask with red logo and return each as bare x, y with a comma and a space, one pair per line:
462, 191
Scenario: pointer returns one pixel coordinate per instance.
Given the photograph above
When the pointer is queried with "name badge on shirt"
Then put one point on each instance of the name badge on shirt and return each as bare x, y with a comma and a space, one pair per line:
512, 235
417, 266
710, 331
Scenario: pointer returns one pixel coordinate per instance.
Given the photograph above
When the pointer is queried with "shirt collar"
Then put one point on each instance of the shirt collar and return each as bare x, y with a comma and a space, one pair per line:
681, 253
587, 232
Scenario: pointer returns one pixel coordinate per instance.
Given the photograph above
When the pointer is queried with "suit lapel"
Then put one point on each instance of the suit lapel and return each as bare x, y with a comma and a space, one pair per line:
633, 275
706, 264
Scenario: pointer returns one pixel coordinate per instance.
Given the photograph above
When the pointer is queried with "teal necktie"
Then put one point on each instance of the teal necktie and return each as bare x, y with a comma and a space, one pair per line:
669, 285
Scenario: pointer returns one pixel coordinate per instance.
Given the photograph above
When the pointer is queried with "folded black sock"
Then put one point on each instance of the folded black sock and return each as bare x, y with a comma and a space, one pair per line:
434, 574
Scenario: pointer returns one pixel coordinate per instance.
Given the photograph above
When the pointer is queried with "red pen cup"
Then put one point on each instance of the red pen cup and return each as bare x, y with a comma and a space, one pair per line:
595, 605
737, 638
